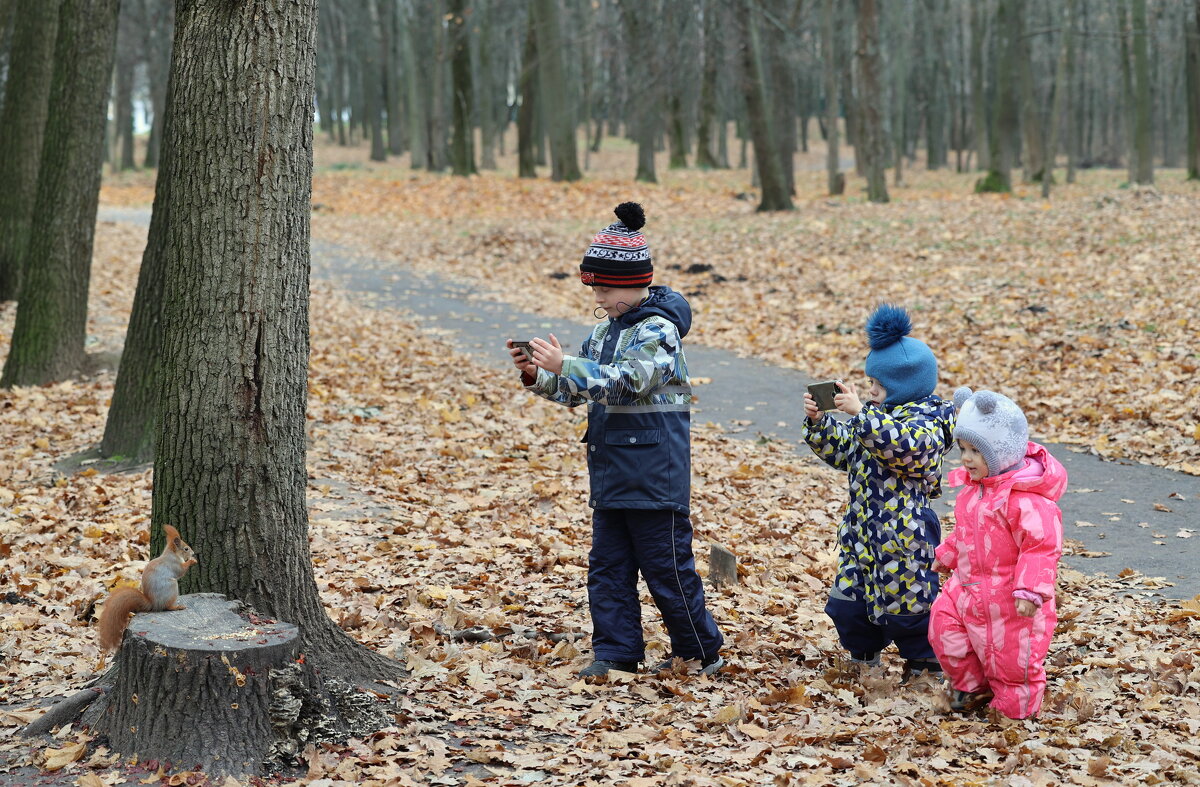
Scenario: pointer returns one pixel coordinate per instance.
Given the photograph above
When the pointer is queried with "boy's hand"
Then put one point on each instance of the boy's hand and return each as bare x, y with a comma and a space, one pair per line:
810, 408
847, 401
1026, 608
520, 360
547, 354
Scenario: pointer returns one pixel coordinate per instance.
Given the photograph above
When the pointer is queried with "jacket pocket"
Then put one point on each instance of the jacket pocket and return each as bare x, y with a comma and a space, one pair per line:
638, 468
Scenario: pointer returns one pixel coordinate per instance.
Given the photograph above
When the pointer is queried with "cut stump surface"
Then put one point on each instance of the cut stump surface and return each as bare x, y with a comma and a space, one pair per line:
194, 686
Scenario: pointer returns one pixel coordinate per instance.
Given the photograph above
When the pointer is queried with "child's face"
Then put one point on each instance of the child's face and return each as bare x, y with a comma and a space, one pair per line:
876, 393
972, 460
616, 300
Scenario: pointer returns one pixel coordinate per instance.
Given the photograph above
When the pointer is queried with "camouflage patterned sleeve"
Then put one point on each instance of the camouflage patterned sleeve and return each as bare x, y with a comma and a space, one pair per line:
646, 364
830, 441
907, 442
547, 383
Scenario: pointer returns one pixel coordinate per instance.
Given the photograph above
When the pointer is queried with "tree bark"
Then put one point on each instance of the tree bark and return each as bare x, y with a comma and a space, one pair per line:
835, 180
705, 158
48, 338
775, 194
22, 125
936, 110
127, 57
1128, 90
229, 461
418, 93
1144, 173
874, 137
564, 159
371, 68
393, 95
462, 148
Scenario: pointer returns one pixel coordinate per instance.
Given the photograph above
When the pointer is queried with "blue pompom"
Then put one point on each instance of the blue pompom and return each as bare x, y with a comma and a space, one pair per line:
887, 325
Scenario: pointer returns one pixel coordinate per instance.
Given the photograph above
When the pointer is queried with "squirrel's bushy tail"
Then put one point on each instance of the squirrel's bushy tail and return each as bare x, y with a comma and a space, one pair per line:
115, 616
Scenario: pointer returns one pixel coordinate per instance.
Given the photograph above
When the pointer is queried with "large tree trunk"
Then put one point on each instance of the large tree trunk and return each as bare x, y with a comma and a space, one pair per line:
229, 466
527, 112
22, 124
644, 108
874, 137
129, 431
564, 160
782, 79
47, 341
462, 148
835, 180
775, 194
1005, 116
1144, 172
393, 95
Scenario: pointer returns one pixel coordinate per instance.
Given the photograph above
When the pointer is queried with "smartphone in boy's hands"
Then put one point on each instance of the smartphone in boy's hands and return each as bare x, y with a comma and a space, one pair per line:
823, 393
525, 348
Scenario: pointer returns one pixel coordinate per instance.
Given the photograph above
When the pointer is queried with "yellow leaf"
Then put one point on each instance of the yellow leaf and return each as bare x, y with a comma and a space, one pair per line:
56, 759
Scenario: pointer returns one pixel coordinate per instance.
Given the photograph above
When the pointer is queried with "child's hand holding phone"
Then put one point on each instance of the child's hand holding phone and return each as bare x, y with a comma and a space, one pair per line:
522, 356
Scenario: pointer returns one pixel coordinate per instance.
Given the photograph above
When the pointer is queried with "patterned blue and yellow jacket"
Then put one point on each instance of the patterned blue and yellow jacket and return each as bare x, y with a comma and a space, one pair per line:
893, 456
632, 374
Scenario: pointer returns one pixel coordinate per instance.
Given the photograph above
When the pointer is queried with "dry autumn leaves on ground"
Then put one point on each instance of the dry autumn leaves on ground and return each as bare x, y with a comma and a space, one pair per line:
444, 498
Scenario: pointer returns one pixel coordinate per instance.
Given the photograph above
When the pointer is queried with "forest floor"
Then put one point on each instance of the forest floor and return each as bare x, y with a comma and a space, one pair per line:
442, 497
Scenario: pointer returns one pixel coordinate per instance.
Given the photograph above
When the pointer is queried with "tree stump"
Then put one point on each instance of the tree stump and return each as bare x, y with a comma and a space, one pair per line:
194, 687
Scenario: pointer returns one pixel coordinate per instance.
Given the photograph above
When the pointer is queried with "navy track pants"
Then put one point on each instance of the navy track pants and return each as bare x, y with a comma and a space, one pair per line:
859, 635
659, 544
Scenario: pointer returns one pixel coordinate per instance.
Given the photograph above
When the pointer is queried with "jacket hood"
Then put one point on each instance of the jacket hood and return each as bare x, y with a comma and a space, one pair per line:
663, 302
1040, 474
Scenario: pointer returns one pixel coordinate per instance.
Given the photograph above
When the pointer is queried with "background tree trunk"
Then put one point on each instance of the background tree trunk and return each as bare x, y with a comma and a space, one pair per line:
874, 137
979, 118
836, 181
371, 70
130, 429
229, 459
527, 112
705, 131
157, 22
1060, 111
127, 58
1006, 114
644, 108
393, 95
1193, 93
1144, 172
462, 148
22, 124
48, 338
564, 160
775, 194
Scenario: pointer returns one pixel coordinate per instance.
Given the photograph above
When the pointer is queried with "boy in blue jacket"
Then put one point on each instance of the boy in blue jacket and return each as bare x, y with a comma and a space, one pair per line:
891, 448
632, 375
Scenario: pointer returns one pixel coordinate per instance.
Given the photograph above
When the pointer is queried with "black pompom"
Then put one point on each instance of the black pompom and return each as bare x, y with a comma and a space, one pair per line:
631, 215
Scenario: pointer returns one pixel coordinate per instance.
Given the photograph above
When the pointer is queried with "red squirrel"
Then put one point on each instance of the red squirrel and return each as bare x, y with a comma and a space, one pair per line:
160, 590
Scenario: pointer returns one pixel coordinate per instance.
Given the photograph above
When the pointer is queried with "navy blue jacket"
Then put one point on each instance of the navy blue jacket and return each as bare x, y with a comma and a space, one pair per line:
633, 376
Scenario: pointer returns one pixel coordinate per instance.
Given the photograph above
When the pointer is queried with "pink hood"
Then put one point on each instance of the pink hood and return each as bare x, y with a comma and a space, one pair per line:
1040, 474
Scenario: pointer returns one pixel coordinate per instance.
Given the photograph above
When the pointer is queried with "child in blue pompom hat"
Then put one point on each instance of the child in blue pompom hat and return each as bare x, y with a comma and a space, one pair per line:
892, 449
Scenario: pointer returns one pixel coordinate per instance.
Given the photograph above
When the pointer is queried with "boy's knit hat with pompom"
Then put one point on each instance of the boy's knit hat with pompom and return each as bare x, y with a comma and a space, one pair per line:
619, 256
904, 366
994, 425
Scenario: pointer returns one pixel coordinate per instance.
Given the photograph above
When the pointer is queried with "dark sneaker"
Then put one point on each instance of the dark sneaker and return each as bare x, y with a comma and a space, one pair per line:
968, 700
914, 669
600, 667
870, 659
708, 666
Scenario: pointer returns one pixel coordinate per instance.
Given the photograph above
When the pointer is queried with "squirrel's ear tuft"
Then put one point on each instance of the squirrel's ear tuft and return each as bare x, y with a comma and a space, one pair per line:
961, 396
171, 532
887, 325
631, 215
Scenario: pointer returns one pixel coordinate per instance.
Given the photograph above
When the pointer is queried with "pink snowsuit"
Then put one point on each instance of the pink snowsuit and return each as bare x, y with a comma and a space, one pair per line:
1007, 536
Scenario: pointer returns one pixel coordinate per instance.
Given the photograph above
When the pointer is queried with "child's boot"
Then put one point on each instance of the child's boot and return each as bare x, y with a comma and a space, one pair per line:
601, 668
869, 659
916, 667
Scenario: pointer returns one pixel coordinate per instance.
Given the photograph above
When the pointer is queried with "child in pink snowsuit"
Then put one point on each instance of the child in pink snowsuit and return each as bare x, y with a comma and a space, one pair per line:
991, 626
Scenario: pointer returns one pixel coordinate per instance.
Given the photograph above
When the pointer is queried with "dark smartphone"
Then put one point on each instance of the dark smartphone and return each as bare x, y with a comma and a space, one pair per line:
824, 392
525, 348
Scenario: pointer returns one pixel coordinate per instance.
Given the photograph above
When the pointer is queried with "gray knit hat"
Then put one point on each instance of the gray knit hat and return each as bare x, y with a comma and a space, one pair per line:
994, 425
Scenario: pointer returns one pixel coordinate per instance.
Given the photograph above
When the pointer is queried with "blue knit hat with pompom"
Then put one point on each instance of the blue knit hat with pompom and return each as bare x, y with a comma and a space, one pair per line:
904, 366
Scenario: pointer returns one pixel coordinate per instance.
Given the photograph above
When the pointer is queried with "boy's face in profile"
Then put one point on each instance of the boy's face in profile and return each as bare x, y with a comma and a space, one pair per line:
876, 393
616, 300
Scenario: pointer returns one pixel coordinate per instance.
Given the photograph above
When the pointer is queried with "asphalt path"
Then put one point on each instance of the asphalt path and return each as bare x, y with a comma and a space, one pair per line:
1126, 515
